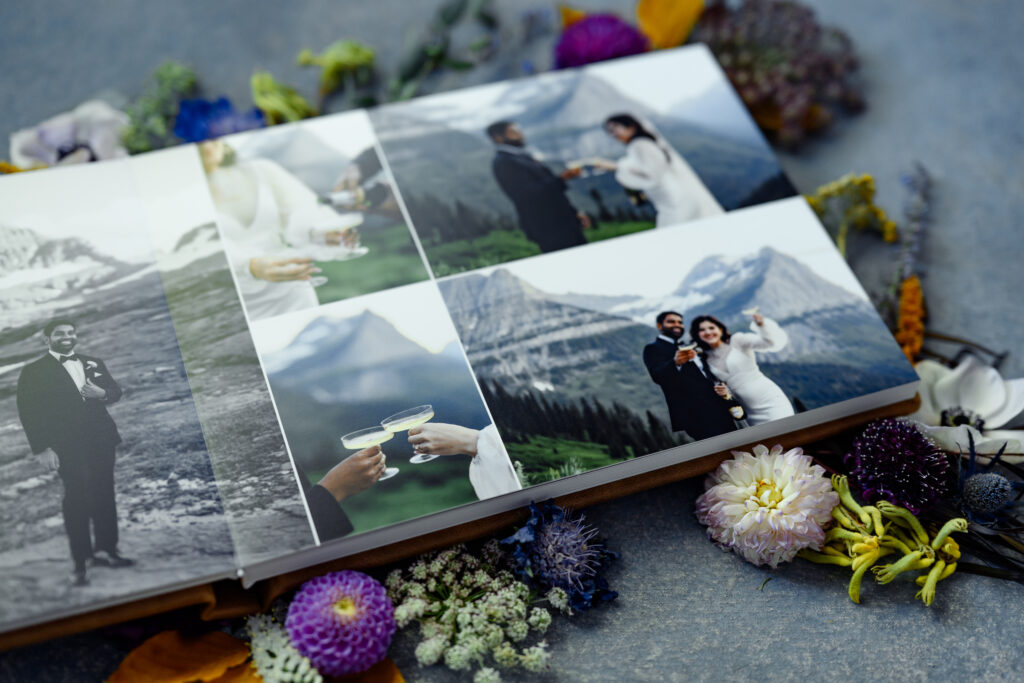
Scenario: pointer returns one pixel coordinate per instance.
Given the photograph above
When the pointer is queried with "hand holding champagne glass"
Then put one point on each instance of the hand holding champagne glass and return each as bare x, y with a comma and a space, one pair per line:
406, 420
365, 438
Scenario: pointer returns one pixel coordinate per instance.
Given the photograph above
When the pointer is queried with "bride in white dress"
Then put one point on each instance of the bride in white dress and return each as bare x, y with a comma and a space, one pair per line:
263, 211
731, 357
652, 166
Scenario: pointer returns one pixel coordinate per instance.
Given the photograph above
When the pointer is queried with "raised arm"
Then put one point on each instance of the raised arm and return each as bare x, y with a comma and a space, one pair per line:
767, 336
660, 363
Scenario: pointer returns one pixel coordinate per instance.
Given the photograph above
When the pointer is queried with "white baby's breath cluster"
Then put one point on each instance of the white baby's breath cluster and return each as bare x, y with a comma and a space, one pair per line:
273, 655
469, 610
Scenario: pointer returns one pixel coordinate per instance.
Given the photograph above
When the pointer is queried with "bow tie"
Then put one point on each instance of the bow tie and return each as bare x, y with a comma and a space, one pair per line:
65, 359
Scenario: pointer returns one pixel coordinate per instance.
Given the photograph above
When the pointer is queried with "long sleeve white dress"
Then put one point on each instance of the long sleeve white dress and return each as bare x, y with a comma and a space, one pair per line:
668, 181
734, 363
263, 211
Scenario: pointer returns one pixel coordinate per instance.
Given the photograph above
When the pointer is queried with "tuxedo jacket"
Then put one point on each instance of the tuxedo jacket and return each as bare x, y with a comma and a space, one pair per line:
53, 412
693, 405
545, 213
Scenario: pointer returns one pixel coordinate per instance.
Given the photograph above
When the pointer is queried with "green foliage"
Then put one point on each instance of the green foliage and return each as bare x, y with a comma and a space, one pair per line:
345, 60
151, 116
279, 102
501, 246
392, 261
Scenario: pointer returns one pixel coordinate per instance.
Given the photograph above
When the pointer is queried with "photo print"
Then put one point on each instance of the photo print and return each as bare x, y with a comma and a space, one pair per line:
380, 410
258, 487
509, 170
592, 356
308, 214
107, 486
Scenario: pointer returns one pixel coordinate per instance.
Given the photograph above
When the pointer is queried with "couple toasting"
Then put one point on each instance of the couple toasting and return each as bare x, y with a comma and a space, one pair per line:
650, 165
703, 390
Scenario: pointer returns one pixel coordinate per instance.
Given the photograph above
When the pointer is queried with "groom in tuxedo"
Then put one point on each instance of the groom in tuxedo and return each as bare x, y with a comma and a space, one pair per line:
62, 403
545, 214
695, 405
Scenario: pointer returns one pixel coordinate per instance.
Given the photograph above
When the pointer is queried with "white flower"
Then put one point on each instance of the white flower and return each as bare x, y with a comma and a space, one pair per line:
972, 387
274, 656
92, 131
767, 506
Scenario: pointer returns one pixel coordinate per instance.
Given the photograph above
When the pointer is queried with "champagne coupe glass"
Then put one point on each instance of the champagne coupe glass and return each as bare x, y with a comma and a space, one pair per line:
406, 420
364, 438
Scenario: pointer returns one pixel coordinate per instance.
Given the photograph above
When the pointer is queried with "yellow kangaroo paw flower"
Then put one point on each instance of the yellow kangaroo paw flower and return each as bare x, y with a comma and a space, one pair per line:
927, 592
858, 575
955, 524
895, 544
842, 486
887, 572
876, 519
843, 519
829, 550
824, 558
838, 533
898, 514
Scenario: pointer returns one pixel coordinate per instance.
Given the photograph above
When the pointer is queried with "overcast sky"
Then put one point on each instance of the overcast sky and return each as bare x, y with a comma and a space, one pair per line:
94, 202
654, 262
416, 310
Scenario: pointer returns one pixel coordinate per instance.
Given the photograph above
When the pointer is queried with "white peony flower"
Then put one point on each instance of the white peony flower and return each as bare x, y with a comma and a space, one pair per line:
977, 391
768, 506
90, 132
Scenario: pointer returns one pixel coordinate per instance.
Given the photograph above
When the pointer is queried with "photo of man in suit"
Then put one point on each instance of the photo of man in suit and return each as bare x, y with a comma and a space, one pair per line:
62, 399
695, 404
545, 214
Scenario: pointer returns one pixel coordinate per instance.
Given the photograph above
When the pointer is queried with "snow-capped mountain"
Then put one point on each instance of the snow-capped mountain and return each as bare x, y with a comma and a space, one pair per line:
35, 270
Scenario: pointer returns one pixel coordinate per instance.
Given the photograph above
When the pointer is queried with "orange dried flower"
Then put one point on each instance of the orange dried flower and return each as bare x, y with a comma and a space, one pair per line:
910, 321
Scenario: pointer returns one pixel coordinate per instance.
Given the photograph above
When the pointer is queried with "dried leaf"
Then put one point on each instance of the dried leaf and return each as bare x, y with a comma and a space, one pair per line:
667, 23
570, 15
170, 657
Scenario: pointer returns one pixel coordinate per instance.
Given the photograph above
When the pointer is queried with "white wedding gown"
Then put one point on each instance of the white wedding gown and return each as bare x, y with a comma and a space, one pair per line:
668, 181
262, 210
491, 472
734, 363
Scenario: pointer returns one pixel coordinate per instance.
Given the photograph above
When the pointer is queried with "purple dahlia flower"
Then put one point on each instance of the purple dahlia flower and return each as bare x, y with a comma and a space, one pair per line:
342, 621
598, 37
893, 460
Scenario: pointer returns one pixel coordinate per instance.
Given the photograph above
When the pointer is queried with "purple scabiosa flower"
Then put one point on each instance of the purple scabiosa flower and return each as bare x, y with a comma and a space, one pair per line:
554, 549
200, 120
768, 505
893, 460
342, 621
598, 37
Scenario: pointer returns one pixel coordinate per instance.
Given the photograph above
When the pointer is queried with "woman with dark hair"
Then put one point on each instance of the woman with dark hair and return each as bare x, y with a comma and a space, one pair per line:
731, 357
653, 167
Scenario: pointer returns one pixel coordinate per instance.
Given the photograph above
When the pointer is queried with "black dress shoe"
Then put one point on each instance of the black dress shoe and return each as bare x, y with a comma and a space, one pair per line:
98, 561
108, 558
78, 578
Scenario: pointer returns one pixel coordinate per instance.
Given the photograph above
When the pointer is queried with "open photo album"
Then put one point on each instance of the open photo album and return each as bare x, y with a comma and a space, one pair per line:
289, 345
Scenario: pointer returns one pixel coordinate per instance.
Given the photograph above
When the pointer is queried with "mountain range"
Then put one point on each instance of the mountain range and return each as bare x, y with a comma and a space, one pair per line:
37, 271
575, 345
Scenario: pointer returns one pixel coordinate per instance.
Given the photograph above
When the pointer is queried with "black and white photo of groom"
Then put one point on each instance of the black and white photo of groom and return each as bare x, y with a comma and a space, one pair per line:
697, 401
546, 216
62, 399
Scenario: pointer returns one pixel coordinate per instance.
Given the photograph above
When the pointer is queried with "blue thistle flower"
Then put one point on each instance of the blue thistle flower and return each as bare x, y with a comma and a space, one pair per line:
554, 549
200, 120
984, 494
